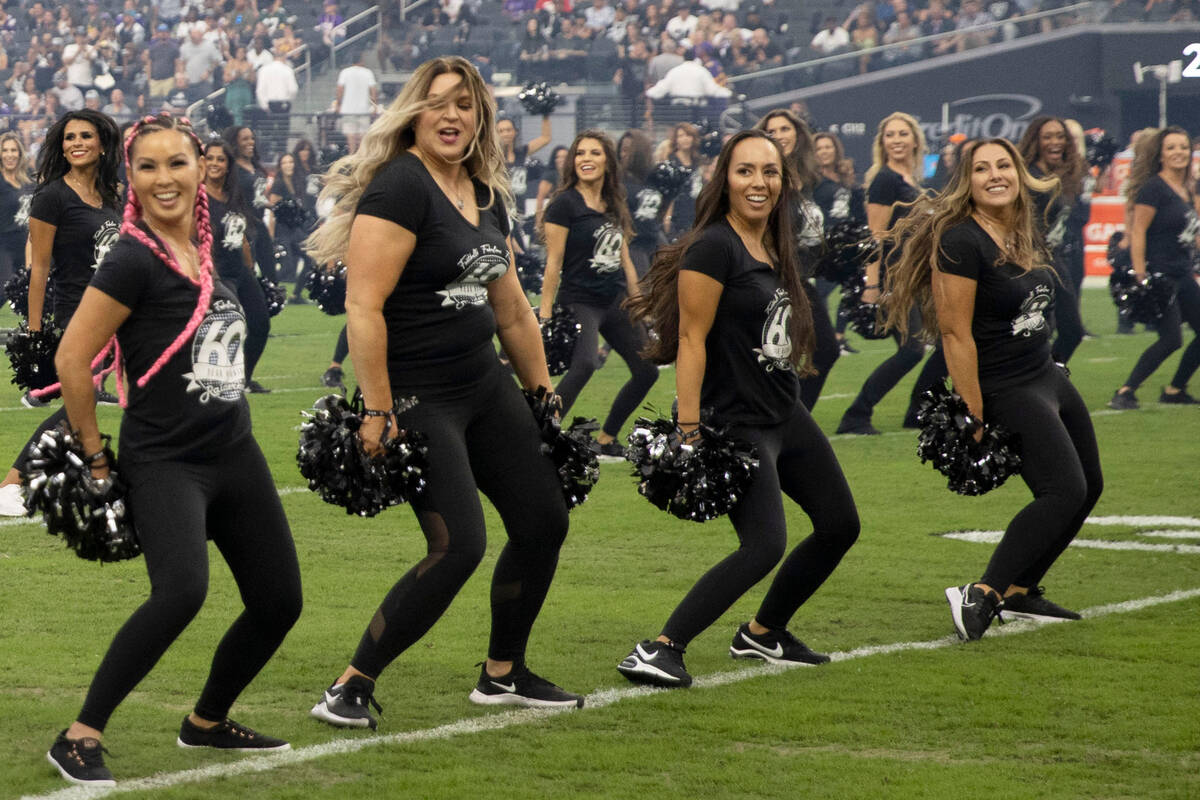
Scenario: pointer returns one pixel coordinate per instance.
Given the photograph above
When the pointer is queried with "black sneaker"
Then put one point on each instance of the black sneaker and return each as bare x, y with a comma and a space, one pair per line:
297, 300
80, 760
775, 647
333, 378
1124, 401
29, 401
228, 735
1180, 398
254, 387
857, 428
846, 348
656, 663
520, 687
348, 705
104, 398
1034, 605
611, 452
972, 610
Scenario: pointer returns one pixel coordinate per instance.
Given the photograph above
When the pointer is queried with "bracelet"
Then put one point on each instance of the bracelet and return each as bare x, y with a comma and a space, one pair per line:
96, 456
374, 412
871, 286
677, 424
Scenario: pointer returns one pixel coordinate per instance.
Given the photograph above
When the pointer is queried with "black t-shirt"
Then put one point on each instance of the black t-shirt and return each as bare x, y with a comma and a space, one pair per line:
1011, 332
748, 378
683, 208
83, 236
14, 212
439, 322
887, 188
1050, 212
194, 406
840, 203
645, 209
229, 234
253, 184
519, 177
1172, 233
591, 270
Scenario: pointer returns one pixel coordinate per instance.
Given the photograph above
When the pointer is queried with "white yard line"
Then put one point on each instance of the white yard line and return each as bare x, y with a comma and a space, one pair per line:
508, 719
992, 537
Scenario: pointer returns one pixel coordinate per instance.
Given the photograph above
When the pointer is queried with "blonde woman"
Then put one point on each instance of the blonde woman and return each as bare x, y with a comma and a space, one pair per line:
971, 265
15, 192
422, 224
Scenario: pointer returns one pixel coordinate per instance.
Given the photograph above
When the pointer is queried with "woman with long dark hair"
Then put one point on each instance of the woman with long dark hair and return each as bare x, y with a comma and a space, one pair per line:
516, 154
589, 270
893, 184
550, 178
1162, 238
74, 219
972, 264
728, 304
1048, 150
841, 199
287, 186
253, 180
684, 150
230, 217
645, 203
421, 222
796, 141
188, 457
16, 191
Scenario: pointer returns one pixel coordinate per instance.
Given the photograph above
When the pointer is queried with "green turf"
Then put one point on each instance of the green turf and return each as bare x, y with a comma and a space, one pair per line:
1105, 708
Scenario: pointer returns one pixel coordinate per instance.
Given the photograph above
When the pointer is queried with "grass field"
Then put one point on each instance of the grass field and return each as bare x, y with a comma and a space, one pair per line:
1103, 708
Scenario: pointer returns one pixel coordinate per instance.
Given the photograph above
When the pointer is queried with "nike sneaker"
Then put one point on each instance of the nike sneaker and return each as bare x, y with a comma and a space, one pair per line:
656, 664
1034, 605
348, 705
775, 647
521, 687
972, 610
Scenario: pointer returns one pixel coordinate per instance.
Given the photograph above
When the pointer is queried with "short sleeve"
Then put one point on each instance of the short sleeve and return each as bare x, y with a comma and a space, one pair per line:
560, 211
398, 193
959, 253
882, 190
1149, 195
709, 255
47, 205
500, 212
122, 273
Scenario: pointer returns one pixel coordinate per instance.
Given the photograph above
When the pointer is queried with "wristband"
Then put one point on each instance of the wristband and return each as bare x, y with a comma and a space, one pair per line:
374, 412
871, 286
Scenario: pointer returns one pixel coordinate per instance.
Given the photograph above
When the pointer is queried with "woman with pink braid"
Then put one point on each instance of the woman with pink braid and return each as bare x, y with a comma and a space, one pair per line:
192, 467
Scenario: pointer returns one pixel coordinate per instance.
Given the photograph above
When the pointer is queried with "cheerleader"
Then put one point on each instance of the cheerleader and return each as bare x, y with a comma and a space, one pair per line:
16, 190
645, 202
193, 469
684, 150
253, 181
987, 299
728, 304
516, 156
840, 199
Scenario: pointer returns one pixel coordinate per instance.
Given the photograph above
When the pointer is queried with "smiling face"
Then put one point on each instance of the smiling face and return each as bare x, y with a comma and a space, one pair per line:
216, 165
994, 179
683, 139
825, 151
165, 173
899, 144
1176, 151
1052, 143
245, 143
10, 154
81, 143
754, 180
507, 132
589, 162
445, 131
781, 129
287, 165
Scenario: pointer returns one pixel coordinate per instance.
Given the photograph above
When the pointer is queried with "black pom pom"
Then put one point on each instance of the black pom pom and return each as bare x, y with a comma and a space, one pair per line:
848, 247
89, 514
276, 295
559, 335
538, 98
859, 316
530, 269
16, 292
217, 116
1119, 258
327, 288
1101, 148
336, 466
947, 439
573, 450
293, 214
711, 139
331, 153
669, 179
32, 356
1144, 302
697, 482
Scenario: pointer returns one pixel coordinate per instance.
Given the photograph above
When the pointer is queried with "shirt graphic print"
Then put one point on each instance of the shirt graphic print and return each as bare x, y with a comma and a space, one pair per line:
21, 218
103, 240
1032, 317
776, 334
218, 366
606, 254
235, 230
480, 267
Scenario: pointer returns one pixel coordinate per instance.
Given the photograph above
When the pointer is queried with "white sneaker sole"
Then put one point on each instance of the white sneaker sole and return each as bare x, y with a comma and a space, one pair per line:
1011, 615
71, 778
641, 672
321, 711
507, 699
279, 749
761, 656
954, 596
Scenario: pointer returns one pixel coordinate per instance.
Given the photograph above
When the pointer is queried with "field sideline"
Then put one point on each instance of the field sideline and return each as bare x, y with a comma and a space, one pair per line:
1103, 708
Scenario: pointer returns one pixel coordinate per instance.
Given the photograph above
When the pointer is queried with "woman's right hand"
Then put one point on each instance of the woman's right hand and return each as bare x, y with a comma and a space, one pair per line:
372, 431
871, 295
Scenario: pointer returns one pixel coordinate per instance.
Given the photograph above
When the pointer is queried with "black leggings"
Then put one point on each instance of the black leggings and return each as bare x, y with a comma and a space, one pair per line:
824, 354
262, 246
934, 371
909, 352
824, 289
258, 319
178, 507
795, 459
627, 340
342, 348
12, 259
1066, 312
1060, 465
1185, 307
481, 438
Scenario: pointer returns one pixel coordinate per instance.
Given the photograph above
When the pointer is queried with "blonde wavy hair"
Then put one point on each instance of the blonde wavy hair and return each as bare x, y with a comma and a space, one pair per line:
1147, 160
879, 155
24, 172
392, 134
918, 239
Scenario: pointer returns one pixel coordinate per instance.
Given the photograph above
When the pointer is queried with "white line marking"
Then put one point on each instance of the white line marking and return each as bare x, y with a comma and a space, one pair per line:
1138, 520
992, 537
1171, 534
598, 699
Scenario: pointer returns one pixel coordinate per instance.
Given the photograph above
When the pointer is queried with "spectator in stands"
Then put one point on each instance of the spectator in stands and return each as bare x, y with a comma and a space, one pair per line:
832, 38
91, 100
936, 19
534, 49
130, 30
652, 21
971, 18
357, 96
682, 24
599, 16
667, 59
864, 34
904, 29
117, 109
129, 70
77, 59
68, 95
763, 53
239, 75
728, 33
162, 56
276, 83
169, 11
200, 59
569, 51
259, 52
329, 27
631, 78
689, 87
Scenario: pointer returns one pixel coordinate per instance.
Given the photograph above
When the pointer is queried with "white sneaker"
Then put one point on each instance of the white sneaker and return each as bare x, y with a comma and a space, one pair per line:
12, 501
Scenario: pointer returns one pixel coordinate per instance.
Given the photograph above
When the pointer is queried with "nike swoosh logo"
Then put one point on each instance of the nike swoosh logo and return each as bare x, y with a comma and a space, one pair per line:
775, 653
508, 687
647, 656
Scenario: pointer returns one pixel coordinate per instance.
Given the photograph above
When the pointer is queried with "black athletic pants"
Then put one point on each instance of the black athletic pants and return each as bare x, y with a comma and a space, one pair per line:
825, 353
1185, 306
258, 319
262, 247
62, 318
1066, 311
619, 331
909, 352
342, 348
178, 507
1060, 463
934, 371
481, 437
824, 289
795, 459
12, 259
